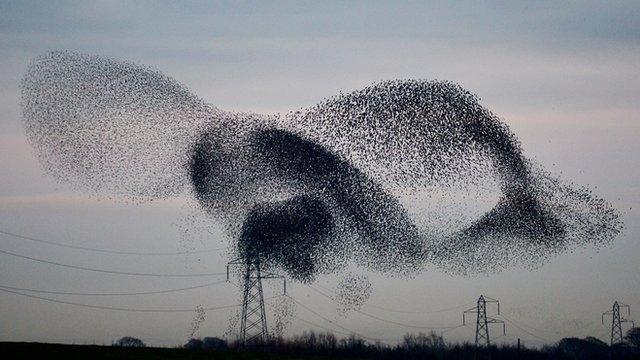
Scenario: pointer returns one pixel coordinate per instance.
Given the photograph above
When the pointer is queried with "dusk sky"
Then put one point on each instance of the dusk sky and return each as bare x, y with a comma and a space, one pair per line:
564, 76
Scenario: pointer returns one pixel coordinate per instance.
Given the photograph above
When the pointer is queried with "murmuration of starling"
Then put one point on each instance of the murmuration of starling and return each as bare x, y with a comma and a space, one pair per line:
313, 190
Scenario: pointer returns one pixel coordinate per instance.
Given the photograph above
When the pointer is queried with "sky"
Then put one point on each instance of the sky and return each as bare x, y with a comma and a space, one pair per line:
564, 76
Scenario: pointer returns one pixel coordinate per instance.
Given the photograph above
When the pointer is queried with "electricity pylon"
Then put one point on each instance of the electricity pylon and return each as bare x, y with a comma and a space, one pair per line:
483, 321
253, 321
616, 321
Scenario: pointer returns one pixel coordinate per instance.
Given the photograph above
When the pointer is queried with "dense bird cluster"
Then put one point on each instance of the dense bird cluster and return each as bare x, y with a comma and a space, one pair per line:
352, 292
312, 190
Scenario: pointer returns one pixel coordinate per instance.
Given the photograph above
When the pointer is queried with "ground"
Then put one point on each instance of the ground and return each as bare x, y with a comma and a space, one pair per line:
23, 350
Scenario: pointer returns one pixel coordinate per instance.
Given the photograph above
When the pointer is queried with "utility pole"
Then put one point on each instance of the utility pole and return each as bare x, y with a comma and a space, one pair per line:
483, 321
616, 321
253, 321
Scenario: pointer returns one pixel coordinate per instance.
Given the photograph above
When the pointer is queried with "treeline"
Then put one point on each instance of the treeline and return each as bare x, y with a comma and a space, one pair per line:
433, 346
425, 346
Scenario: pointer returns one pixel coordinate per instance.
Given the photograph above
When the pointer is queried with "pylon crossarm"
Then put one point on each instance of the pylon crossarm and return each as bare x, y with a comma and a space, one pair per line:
276, 276
610, 312
491, 300
472, 310
268, 275
496, 321
628, 321
237, 261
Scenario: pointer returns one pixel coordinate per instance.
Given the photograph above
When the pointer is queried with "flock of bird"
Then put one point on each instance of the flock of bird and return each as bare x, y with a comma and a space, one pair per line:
314, 190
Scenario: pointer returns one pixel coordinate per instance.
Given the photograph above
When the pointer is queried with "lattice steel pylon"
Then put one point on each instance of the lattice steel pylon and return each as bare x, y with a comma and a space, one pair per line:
483, 321
253, 320
253, 325
616, 321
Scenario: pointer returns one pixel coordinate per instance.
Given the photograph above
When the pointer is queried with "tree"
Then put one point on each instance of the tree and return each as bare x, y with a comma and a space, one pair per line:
633, 337
423, 341
596, 341
327, 341
353, 344
129, 341
582, 349
193, 344
214, 343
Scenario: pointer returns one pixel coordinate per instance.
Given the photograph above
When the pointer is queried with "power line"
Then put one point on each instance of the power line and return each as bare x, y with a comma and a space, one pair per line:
323, 287
107, 251
395, 310
524, 330
106, 271
532, 327
349, 331
117, 308
321, 316
321, 293
386, 320
340, 332
453, 328
535, 328
545, 340
111, 294
403, 324
321, 327
417, 312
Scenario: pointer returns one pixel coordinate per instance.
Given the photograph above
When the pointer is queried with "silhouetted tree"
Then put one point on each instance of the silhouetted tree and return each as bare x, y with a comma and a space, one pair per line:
422, 341
633, 337
596, 341
589, 348
327, 341
193, 344
129, 341
214, 343
308, 340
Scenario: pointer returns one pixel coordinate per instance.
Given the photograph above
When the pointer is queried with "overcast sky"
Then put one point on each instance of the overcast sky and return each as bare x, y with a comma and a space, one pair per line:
564, 76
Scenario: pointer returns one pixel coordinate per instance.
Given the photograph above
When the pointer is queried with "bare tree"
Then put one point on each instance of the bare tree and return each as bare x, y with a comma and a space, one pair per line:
423, 341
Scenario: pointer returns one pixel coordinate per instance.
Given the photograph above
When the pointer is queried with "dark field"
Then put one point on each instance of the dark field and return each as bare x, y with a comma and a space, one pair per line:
23, 350
569, 349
